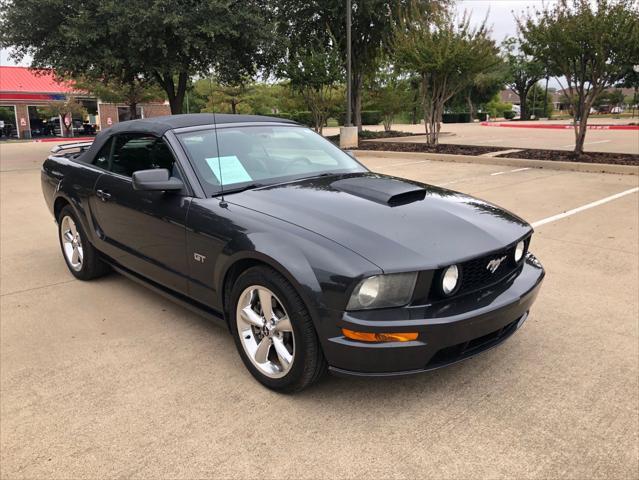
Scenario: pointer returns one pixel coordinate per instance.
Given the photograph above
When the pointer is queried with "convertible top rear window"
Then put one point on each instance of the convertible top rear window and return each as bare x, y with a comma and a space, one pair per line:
236, 156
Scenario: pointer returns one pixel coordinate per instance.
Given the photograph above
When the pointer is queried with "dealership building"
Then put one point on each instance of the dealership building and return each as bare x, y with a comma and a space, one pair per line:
25, 95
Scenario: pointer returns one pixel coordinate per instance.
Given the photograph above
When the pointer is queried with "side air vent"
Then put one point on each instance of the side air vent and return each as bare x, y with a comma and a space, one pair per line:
387, 191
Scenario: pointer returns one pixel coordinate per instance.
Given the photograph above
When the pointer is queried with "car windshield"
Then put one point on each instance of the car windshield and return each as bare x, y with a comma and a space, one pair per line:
261, 155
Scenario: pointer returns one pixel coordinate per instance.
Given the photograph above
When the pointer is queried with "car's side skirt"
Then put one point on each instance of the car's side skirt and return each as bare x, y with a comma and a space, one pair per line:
182, 300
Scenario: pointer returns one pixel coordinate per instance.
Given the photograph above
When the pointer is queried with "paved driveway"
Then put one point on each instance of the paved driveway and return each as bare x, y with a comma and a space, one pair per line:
107, 379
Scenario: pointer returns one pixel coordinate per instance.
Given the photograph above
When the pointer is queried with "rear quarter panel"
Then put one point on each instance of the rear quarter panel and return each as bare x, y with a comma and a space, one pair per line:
72, 181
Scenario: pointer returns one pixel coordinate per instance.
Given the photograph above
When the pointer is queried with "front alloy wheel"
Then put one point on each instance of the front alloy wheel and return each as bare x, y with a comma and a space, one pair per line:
273, 331
265, 331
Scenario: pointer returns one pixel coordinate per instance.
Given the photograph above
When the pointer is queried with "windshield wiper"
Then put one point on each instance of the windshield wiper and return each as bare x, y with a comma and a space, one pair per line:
250, 186
318, 175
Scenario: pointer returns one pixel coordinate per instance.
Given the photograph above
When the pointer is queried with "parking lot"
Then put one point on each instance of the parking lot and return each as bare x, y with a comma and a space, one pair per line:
612, 141
107, 379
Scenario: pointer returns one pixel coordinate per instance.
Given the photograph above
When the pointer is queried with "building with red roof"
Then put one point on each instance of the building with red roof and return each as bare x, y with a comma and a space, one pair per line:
25, 94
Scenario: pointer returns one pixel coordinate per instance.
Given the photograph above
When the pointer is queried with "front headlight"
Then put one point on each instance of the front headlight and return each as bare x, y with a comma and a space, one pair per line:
379, 291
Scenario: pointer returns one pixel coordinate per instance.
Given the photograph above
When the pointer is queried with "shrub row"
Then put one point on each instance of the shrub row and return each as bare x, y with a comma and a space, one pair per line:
369, 117
456, 117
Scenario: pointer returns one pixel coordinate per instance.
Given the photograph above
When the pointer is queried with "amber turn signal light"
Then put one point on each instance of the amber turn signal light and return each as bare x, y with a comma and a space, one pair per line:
379, 337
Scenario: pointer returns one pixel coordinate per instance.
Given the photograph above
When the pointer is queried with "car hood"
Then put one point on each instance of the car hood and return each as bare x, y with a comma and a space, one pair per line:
396, 224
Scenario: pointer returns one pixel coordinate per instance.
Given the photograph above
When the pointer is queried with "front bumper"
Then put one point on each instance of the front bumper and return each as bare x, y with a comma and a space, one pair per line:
449, 331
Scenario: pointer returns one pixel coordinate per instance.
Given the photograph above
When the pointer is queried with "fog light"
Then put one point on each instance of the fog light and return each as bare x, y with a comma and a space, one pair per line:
519, 251
450, 279
379, 337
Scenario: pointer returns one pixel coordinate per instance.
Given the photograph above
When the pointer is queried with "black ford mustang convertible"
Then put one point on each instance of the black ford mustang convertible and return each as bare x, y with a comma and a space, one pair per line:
312, 261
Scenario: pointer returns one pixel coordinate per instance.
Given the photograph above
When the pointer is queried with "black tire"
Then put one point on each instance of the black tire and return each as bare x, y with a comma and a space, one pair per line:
309, 363
91, 265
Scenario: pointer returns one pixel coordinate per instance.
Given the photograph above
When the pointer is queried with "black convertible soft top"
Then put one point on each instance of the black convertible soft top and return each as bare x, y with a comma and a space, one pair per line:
160, 125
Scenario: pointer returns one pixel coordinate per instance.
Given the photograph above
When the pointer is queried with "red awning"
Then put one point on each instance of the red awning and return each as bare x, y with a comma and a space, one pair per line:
26, 80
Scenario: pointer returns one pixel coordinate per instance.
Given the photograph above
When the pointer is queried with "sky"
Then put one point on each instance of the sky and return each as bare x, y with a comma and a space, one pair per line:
500, 17
500, 13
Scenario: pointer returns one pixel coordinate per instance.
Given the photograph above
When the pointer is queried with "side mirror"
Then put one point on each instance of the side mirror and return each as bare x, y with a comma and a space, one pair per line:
158, 180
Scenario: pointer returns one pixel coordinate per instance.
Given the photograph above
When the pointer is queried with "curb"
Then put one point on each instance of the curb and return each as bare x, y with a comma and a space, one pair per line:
557, 126
512, 162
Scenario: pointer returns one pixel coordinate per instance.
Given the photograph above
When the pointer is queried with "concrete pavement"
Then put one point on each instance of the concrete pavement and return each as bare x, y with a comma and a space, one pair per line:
107, 379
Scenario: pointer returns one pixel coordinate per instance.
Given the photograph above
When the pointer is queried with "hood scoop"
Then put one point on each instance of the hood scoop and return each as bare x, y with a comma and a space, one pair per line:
387, 191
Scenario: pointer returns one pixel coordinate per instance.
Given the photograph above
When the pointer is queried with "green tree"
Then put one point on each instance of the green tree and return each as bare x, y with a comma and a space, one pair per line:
389, 93
496, 108
373, 23
588, 44
448, 55
266, 98
132, 93
167, 41
480, 92
65, 109
535, 102
608, 100
631, 80
524, 71
615, 99
314, 71
229, 96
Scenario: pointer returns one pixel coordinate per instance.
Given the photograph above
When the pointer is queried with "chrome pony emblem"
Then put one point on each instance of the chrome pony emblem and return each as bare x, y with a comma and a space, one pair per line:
494, 264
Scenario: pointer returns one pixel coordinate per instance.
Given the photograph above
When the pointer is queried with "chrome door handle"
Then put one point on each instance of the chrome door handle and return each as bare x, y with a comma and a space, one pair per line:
102, 195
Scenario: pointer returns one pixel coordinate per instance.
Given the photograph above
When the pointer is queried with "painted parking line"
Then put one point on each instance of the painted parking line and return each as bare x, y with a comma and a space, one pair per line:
404, 163
510, 171
588, 206
572, 145
463, 179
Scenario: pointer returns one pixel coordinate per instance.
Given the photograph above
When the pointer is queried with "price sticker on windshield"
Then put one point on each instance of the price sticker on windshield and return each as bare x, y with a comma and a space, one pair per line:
232, 170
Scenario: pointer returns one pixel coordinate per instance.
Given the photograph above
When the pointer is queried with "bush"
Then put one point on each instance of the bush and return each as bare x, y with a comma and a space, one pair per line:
539, 112
284, 115
456, 117
371, 117
509, 114
497, 109
303, 117
482, 116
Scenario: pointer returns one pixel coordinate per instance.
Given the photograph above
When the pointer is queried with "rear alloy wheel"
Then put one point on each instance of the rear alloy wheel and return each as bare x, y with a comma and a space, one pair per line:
79, 254
274, 332
71, 243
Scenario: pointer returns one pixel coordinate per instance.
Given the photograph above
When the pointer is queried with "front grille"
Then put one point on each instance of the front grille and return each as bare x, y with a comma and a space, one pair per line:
475, 273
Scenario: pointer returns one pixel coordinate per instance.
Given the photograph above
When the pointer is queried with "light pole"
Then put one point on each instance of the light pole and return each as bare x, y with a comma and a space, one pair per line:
349, 94
546, 98
635, 68
348, 133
